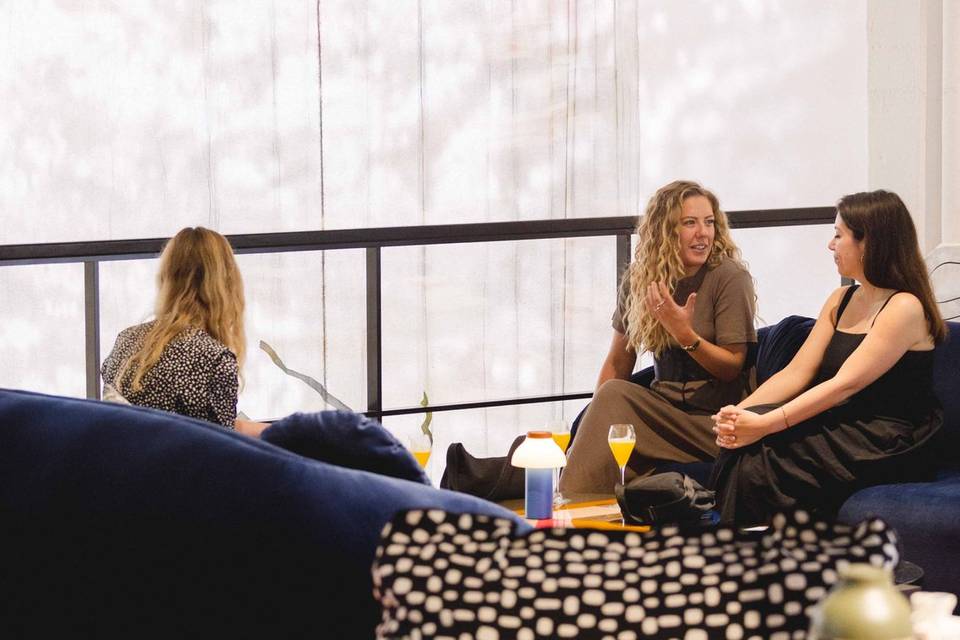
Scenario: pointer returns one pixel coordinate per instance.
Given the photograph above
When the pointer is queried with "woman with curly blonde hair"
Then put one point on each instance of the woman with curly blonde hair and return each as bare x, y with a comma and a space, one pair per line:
188, 359
688, 299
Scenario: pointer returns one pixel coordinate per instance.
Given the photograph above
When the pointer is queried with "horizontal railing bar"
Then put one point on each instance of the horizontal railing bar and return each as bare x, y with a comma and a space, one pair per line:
103, 250
482, 404
754, 218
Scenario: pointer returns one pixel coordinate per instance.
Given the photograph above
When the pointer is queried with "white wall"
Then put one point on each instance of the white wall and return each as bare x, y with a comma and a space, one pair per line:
914, 132
134, 120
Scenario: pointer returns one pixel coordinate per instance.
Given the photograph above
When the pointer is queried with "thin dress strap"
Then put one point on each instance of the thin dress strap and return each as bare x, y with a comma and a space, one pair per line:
844, 302
882, 307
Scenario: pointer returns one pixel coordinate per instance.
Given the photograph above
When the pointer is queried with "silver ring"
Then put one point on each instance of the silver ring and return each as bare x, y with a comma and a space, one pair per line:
657, 308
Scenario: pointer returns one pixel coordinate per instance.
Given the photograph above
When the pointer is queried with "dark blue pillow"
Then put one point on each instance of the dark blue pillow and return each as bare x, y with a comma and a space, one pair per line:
779, 343
345, 439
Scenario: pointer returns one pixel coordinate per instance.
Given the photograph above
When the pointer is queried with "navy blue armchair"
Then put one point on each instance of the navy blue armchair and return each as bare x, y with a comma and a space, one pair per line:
118, 521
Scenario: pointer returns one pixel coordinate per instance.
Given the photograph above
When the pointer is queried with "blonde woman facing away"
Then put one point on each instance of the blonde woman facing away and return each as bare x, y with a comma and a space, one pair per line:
855, 407
688, 299
188, 359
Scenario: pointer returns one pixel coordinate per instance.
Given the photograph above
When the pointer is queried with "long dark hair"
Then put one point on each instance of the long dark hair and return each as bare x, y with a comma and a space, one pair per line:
891, 258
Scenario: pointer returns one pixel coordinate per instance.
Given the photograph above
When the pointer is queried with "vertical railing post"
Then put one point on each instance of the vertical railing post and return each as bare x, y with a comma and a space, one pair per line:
374, 351
623, 256
91, 325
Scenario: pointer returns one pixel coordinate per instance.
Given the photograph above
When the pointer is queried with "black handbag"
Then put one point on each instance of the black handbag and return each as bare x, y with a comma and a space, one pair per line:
493, 479
669, 497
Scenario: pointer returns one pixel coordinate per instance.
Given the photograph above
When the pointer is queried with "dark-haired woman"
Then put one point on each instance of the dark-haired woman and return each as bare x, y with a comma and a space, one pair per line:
856, 406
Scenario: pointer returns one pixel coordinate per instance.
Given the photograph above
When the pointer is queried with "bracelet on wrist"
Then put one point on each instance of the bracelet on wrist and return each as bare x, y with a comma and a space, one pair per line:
786, 423
691, 347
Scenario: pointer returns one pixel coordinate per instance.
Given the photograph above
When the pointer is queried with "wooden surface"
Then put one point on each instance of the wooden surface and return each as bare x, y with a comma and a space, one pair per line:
589, 511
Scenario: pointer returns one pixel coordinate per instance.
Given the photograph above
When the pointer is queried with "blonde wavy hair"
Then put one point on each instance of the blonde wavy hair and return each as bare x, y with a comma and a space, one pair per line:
657, 259
198, 287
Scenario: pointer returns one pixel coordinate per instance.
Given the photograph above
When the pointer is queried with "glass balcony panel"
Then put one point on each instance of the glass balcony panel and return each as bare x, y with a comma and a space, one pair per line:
471, 322
42, 332
483, 432
308, 306
792, 269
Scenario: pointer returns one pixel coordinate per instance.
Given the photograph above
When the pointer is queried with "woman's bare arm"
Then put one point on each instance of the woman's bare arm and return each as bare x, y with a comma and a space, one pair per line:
796, 376
900, 327
724, 362
249, 427
620, 360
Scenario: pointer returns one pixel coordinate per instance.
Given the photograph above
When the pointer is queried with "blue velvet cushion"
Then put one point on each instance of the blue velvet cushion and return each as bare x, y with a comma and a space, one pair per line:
926, 517
124, 521
779, 343
346, 439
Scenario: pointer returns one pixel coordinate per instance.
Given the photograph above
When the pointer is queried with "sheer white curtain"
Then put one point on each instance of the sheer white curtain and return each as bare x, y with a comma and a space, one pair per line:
136, 119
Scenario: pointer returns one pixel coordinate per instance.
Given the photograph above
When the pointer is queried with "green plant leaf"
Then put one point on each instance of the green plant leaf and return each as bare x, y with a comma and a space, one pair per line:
314, 384
427, 419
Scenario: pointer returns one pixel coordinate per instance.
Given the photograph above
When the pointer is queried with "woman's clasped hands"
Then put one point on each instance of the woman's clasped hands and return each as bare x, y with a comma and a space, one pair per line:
737, 427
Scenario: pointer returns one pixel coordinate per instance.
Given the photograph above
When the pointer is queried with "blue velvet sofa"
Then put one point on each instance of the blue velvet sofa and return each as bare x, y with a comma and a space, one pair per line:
119, 521
926, 515
122, 521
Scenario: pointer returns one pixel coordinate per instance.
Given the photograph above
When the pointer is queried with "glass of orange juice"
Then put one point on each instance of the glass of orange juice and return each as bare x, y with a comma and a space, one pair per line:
560, 431
621, 439
420, 447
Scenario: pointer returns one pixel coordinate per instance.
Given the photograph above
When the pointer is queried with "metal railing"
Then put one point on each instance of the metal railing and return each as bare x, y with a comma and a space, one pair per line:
91, 254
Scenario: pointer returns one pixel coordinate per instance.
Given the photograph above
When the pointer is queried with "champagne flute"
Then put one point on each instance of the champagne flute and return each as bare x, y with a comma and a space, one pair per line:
420, 446
621, 439
560, 432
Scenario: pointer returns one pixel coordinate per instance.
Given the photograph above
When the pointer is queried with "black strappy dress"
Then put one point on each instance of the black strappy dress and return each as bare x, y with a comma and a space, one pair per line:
878, 436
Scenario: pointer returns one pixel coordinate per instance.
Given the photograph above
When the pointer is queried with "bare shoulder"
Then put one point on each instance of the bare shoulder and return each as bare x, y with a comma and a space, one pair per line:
829, 309
837, 294
903, 320
906, 306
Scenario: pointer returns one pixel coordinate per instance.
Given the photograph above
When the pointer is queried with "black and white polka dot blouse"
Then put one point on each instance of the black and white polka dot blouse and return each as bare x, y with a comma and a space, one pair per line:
196, 376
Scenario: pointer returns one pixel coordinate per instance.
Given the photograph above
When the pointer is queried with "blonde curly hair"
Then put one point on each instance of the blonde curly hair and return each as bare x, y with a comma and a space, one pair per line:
657, 259
199, 287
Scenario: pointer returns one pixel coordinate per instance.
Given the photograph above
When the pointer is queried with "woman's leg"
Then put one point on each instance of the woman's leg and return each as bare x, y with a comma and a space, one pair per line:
664, 434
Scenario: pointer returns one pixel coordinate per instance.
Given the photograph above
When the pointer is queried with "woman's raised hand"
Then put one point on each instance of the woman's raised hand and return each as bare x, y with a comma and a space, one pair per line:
677, 320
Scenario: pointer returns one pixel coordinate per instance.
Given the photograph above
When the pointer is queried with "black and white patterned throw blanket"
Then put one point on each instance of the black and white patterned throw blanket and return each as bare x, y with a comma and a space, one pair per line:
447, 575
